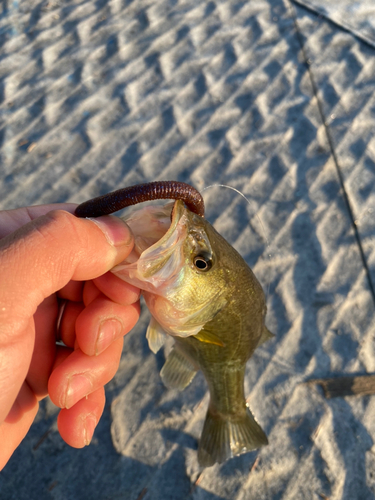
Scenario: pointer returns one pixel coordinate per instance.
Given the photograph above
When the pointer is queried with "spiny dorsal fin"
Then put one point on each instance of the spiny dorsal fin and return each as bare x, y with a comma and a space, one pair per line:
155, 336
266, 335
178, 371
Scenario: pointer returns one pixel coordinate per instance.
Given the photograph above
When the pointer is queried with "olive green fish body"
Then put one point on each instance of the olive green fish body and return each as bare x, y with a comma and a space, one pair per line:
200, 290
229, 429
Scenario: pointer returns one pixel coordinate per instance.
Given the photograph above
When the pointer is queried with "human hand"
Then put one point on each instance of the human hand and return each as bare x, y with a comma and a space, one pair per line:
55, 285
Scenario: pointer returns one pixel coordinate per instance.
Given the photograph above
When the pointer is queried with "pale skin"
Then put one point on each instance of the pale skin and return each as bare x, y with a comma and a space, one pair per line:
55, 285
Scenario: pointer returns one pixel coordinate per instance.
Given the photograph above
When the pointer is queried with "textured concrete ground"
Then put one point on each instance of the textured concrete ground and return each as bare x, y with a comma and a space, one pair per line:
267, 97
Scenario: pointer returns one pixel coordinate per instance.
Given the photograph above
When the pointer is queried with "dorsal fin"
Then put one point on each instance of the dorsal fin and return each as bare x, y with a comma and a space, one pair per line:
266, 335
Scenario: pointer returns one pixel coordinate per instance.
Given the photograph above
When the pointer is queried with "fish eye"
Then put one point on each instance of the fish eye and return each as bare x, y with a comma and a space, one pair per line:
202, 263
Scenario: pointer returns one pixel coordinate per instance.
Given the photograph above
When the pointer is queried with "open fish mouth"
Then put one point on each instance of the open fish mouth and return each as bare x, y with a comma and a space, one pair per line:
157, 258
162, 266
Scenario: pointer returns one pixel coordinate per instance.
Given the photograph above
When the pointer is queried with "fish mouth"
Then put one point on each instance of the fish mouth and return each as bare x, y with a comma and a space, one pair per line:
161, 265
157, 258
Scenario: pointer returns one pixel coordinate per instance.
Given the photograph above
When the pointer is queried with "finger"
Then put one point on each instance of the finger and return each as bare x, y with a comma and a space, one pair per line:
61, 247
116, 289
90, 293
72, 291
102, 322
23, 412
36, 261
62, 353
80, 375
67, 327
43, 356
13, 219
77, 425
14, 365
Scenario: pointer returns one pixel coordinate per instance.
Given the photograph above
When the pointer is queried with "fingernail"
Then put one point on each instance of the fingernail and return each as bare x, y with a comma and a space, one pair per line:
115, 230
109, 330
89, 428
78, 387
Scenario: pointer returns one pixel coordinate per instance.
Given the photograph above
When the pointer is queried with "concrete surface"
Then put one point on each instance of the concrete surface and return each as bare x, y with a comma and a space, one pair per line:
269, 98
357, 17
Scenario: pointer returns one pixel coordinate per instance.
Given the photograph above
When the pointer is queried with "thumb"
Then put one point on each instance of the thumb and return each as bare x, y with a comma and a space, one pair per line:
37, 260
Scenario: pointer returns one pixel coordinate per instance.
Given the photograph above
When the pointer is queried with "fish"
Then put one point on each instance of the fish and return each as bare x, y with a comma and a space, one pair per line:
200, 291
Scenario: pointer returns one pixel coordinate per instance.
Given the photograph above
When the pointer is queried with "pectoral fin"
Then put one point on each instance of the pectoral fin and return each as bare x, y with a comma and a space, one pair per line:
266, 335
209, 338
155, 336
178, 371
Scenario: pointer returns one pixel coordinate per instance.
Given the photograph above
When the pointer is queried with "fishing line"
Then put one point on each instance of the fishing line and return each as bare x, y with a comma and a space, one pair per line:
256, 215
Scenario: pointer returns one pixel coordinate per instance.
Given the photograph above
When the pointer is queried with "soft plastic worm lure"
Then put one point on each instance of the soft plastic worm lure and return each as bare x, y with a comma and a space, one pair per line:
132, 195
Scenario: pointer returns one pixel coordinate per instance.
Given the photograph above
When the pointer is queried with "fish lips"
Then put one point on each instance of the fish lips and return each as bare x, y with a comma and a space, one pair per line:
159, 266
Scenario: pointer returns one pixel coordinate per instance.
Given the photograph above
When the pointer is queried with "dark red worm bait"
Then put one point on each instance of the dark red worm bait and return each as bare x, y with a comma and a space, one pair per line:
132, 195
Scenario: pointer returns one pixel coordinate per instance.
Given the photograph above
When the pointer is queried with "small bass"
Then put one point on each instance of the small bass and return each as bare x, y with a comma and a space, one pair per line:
200, 290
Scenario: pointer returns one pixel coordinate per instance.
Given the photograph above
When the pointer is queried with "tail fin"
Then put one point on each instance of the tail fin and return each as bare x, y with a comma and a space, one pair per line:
223, 438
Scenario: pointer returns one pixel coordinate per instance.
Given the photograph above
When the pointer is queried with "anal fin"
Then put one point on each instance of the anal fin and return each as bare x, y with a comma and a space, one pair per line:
223, 438
178, 371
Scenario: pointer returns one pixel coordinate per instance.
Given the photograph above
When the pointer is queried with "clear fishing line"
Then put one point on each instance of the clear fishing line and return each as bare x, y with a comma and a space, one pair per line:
256, 215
